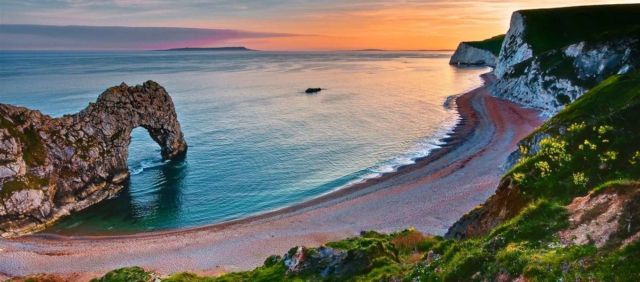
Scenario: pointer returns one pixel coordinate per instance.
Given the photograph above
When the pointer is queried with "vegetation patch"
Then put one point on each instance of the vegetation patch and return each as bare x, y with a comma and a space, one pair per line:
492, 44
33, 149
549, 29
126, 274
29, 181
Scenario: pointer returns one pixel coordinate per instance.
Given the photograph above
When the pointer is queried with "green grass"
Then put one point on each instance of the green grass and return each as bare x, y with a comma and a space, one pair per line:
533, 225
592, 141
33, 149
275, 272
33, 153
29, 181
621, 265
126, 274
549, 29
492, 44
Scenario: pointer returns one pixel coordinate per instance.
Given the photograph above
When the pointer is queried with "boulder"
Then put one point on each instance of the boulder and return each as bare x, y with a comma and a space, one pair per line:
312, 90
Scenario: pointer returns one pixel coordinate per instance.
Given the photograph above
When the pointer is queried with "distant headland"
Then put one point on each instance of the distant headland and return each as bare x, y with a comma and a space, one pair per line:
235, 48
408, 50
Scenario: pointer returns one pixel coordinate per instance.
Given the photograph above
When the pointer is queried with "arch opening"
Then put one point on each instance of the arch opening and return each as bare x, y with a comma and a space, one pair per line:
144, 151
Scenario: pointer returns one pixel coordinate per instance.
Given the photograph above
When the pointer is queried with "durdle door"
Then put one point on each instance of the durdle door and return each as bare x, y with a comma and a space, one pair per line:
51, 167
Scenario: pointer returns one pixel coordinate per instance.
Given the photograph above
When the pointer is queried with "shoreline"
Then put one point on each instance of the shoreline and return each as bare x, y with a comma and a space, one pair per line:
430, 195
466, 124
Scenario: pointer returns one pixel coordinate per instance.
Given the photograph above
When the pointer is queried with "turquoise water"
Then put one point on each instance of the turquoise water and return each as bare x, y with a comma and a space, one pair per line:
257, 142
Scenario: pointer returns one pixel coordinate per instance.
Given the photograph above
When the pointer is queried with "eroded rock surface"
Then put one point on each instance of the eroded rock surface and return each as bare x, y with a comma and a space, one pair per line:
604, 218
515, 49
50, 167
506, 203
333, 263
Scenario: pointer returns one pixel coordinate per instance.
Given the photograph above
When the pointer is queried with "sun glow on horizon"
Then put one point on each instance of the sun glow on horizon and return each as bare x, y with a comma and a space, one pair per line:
308, 25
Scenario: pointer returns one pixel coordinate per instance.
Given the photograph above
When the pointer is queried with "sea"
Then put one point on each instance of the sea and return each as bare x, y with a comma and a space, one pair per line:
257, 141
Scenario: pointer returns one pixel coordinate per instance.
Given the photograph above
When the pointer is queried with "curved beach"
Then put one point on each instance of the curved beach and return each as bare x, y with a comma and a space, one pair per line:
429, 195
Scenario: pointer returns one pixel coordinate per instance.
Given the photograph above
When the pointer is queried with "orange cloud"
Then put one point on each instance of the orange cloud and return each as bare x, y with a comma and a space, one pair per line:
325, 24
429, 25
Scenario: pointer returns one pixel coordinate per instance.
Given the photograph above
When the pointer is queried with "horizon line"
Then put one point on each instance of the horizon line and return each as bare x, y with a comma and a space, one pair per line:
248, 51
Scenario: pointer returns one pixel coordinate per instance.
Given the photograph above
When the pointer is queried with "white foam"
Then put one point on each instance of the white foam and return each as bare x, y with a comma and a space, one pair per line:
146, 164
420, 150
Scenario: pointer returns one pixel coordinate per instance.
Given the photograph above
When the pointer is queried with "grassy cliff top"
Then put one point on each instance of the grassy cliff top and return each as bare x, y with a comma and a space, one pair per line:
548, 29
593, 141
492, 44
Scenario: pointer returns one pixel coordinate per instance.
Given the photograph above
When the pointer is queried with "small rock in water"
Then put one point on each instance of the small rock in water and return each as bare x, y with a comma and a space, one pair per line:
312, 90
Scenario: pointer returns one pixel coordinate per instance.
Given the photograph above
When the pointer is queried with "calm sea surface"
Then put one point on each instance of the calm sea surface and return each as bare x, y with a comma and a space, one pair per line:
257, 142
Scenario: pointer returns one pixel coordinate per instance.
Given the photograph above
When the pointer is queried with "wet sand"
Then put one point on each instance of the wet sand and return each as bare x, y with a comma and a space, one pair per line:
429, 195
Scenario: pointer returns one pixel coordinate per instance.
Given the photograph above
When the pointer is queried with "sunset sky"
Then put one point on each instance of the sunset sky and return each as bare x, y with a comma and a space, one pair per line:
259, 24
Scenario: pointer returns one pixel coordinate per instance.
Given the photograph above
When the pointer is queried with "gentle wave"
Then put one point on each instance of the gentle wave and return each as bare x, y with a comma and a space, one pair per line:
146, 164
419, 151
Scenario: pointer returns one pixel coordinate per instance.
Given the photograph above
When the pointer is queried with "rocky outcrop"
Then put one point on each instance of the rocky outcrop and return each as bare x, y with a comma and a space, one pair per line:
606, 218
312, 90
324, 260
51, 167
548, 69
336, 264
554, 79
506, 203
466, 54
514, 48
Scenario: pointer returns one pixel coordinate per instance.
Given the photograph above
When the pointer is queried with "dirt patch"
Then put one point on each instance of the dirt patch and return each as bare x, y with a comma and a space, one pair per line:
605, 218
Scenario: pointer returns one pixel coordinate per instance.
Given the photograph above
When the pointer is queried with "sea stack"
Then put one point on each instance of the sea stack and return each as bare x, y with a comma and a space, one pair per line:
312, 90
51, 167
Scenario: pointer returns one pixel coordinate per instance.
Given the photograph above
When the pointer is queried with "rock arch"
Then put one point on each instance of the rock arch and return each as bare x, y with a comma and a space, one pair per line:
51, 167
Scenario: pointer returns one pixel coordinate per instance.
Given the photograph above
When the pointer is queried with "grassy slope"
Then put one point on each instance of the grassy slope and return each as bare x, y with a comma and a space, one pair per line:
549, 29
492, 44
596, 136
607, 118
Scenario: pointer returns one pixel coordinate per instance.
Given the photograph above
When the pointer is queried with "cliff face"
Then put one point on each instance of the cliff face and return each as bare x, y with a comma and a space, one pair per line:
514, 48
468, 55
546, 62
51, 167
550, 81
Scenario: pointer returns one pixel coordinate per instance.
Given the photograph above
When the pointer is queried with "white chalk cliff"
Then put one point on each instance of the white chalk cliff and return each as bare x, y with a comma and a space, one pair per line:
550, 80
468, 55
